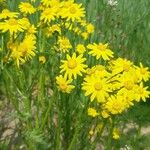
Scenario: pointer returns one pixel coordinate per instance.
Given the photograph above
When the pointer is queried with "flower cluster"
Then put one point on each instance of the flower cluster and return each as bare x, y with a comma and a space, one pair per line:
111, 84
54, 18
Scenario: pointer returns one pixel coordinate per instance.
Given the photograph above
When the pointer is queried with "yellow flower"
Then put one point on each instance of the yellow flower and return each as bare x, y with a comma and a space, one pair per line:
51, 3
92, 112
120, 65
72, 11
97, 87
115, 105
73, 66
52, 29
80, 48
85, 35
26, 8
115, 134
64, 44
48, 15
64, 84
8, 14
143, 72
27, 47
141, 93
105, 114
42, 59
90, 28
31, 30
11, 25
15, 54
127, 85
23, 51
100, 50
25, 23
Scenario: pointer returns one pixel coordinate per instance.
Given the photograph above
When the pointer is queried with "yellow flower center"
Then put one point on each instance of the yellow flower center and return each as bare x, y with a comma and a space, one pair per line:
129, 85
101, 47
141, 91
73, 10
142, 71
98, 86
12, 22
63, 87
72, 64
64, 43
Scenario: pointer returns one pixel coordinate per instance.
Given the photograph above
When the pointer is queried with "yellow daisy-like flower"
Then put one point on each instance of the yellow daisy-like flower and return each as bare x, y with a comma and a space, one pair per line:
25, 23
115, 105
31, 30
80, 48
105, 114
73, 66
92, 112
72, 11
48, 15
97, 87
85, 35
90, 28
8, 14
54, 28
141, 93
143, 73
27, 47
64, 84
64, 44
15, 54
127, 85
51, 3
120, 65
12, 25
100, 50
23, 51
26, 8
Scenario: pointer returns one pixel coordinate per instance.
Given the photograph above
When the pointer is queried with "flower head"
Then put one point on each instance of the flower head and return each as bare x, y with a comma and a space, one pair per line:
64, 44
73, 66
8, 14
92, 112
97, 87
12, 25
64, 84
72, 11
115, 105
100, 50
26, 8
